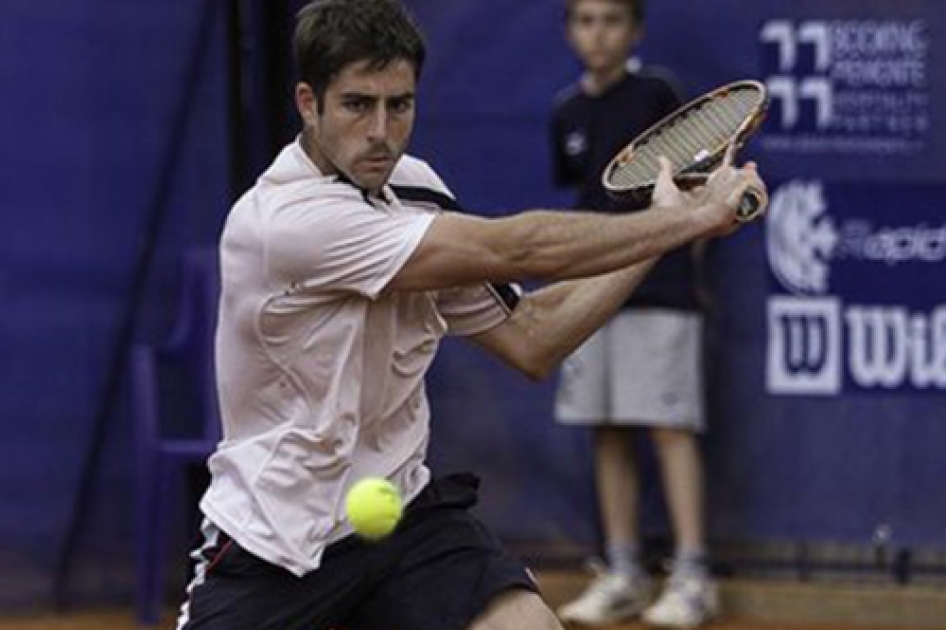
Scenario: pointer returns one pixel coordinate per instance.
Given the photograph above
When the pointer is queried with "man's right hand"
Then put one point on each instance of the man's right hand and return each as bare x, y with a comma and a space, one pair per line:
717, 199
726, 187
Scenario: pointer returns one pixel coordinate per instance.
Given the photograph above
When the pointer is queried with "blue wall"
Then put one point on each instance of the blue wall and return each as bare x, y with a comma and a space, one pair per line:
91, 92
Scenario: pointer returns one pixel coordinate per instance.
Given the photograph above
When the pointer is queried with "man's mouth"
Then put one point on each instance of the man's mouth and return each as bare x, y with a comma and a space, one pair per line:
377, 161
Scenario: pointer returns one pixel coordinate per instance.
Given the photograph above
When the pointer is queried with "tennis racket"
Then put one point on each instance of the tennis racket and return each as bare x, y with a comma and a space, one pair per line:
695, 138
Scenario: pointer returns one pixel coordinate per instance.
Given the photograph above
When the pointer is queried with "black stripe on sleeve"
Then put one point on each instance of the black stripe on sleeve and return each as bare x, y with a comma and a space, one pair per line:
507, 294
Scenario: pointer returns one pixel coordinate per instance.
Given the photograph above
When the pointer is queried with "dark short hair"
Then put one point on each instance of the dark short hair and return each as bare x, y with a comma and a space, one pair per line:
636, 7
331, 34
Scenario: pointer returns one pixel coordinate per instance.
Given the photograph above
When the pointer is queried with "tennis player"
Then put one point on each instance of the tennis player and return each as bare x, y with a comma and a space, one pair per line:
342, 268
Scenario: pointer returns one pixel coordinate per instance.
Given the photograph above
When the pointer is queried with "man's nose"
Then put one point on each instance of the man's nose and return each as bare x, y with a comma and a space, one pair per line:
378, 126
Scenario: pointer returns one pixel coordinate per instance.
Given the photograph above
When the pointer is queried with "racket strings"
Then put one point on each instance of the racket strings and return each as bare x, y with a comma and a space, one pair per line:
698, 134
706, 127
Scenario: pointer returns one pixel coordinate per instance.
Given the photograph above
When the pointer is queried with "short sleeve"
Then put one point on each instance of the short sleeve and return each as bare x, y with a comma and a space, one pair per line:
671, 98
341, 243
472, 309
669, 92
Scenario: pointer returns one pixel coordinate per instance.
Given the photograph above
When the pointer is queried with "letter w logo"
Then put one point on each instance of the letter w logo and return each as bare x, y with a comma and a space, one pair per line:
804, 349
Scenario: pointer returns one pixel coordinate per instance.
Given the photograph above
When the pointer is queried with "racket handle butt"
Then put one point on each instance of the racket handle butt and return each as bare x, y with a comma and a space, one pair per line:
750, 206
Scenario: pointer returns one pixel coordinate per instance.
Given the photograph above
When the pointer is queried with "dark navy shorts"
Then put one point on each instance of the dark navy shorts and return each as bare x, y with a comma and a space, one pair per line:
439, 569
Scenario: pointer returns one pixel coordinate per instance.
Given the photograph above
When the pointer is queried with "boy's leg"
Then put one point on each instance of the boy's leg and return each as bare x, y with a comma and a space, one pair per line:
618, 486
621, 591
681, 466
690, 597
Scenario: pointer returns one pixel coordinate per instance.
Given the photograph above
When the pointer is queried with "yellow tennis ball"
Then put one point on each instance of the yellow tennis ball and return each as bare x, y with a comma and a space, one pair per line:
373, 506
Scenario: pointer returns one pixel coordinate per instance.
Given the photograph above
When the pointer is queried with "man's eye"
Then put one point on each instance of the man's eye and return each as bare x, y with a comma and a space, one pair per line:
358, 106
401, 107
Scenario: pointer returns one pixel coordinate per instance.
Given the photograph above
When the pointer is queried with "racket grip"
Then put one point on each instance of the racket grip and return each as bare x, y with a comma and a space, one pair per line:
750, 206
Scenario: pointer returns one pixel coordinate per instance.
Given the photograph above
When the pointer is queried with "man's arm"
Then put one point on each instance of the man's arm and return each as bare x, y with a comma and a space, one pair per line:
549, 324
549, 245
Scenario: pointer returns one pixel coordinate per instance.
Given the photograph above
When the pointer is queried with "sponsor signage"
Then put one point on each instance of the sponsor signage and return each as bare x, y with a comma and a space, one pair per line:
847, 86
857, 299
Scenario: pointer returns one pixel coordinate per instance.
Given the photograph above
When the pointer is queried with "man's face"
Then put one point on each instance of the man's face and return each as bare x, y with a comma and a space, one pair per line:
364, 123
602, 33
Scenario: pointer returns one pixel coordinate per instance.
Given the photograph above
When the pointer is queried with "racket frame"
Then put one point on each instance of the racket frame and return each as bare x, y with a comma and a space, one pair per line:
695, 172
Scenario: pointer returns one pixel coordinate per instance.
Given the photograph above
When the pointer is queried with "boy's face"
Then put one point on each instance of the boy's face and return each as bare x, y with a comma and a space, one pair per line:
602, 33
365, 121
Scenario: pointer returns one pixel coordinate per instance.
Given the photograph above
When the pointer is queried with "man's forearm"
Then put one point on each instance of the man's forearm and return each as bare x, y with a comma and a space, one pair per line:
561, 246
560, 317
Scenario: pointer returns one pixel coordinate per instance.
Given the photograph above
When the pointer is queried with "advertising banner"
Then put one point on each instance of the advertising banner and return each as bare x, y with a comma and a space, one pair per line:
858, 289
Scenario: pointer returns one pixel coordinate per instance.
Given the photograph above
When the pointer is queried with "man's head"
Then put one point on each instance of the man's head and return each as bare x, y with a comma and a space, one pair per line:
603, 32
359, 62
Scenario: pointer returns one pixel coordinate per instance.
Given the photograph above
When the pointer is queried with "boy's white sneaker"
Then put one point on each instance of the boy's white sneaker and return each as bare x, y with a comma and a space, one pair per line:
686, 602
610, 598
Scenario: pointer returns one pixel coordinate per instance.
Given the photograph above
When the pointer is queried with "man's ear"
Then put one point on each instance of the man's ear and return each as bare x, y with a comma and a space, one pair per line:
306, 103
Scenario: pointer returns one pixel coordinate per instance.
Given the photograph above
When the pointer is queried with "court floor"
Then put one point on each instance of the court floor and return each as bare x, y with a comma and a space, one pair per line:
117, 620
748, 605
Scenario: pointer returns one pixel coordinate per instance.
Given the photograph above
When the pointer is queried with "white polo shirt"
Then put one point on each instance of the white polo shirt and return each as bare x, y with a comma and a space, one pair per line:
320, 372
